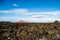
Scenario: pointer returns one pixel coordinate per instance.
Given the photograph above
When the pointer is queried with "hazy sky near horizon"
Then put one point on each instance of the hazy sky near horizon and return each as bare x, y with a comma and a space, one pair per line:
30, 10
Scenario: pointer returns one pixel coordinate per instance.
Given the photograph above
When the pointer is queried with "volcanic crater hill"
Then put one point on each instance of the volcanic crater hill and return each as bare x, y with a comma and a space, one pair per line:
22, 21
29, 31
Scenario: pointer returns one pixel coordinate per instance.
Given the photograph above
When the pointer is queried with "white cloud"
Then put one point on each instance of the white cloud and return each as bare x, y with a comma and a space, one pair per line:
19, 11
16, 11
30, 19
45, 19
15, 5
26, 12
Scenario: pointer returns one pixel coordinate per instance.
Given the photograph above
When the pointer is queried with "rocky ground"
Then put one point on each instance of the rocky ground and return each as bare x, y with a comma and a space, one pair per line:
29, 31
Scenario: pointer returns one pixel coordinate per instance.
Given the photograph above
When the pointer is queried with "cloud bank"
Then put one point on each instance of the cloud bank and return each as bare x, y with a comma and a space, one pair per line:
34, 16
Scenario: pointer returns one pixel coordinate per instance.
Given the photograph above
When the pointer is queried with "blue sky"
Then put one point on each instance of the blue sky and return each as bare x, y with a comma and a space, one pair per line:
30, 10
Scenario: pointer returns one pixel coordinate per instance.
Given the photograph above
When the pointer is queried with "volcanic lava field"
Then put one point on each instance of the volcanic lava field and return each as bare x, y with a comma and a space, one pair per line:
29, 31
